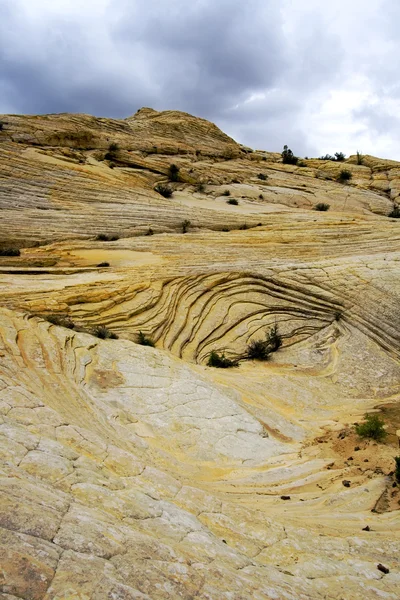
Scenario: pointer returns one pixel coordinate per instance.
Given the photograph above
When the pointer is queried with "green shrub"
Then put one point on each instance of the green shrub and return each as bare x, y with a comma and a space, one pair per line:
340, 156
344, 175
322, 206
226, 193
149, 231
257, 350
261, 349
274, 339
262, 176
144, 340
103, 237
232, 201
326, 157
164, 190
395, 213
102, 332
173, 173
373, 427
200, 188
185, 225
220, 361
288, 158
60, 320
397, 470
360, 158
113, 149
10, 252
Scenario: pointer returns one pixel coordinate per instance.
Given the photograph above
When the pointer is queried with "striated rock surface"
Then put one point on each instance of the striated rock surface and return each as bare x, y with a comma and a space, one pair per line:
137, 472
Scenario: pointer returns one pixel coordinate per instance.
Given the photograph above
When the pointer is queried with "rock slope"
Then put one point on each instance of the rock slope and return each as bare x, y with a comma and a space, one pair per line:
136, 472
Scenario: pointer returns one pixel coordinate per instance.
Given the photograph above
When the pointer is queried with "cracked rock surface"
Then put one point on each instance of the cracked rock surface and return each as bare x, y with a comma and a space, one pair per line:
136, 472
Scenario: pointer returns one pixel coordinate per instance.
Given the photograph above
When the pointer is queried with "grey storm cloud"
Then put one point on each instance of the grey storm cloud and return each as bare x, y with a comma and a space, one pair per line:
262, 70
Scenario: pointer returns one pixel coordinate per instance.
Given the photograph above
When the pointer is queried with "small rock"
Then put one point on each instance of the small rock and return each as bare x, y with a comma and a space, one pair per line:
285, 497
346, 483
383, 569
367, 528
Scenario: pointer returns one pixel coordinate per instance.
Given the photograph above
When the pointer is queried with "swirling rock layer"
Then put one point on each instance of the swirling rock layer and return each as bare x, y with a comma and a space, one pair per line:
137, 472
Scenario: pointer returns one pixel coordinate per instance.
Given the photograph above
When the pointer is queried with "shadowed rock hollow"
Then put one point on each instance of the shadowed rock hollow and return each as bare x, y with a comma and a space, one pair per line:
136, 472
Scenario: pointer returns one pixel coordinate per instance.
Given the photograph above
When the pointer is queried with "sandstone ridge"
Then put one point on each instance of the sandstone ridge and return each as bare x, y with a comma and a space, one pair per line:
137, 472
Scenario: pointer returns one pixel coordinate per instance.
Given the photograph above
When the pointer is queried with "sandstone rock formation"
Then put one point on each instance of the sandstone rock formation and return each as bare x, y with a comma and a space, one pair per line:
136, 472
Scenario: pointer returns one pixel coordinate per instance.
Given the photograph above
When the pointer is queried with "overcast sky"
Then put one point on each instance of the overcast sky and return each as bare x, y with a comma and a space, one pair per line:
320, 77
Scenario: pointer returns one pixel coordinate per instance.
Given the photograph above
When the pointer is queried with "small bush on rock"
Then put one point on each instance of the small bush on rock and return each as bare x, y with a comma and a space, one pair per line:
395, 213
185, 225
262, 176
232, 201
164, 190
173, 173
288, 158
226, 193
321, 206
102, 332
10, 252
60, 320
344, 175
144, 340
220, 361
372, 428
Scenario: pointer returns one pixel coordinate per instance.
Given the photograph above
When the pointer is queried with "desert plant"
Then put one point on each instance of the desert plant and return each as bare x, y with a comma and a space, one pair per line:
397, 470
112, 151
144, 340
274, 339
104, 264
10, 252
149, 231
220, 361
326, 157
322, 206
257, 350
226, 193
288, 158
339, 156
344, 175
360, 158
262, 176
164, 190
60, 320
185, 225
373, 427
395, 213
200, 188
102, 332
103, 237
261, 197
173, 172
232, 201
